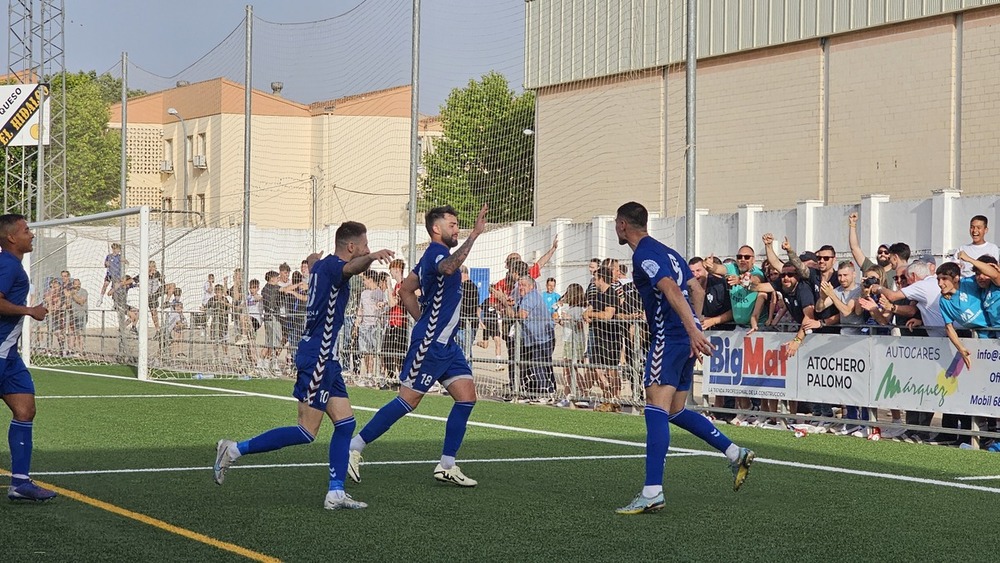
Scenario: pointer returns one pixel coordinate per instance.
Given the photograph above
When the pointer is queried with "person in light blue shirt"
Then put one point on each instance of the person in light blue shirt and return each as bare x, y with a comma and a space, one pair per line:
538, 338
961, 305
987, 276
551, 297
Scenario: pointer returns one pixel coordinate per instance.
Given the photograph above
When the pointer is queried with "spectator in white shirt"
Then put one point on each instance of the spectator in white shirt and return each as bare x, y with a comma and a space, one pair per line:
923, 288
978, 227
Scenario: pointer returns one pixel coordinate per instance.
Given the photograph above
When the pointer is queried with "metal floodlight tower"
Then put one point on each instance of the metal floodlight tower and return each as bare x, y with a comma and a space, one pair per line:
36, 53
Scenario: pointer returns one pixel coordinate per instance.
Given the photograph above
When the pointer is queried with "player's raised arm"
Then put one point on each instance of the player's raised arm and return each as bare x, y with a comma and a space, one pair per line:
362, 263
452, 263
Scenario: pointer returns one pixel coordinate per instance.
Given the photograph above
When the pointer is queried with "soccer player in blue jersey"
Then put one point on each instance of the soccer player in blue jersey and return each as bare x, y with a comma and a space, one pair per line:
16, 386
434, 354
320, 386
663, 279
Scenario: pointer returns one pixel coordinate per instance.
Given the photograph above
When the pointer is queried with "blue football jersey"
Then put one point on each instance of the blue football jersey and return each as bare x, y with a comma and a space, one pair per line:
329, 290
440, 297
14, 285
651, 262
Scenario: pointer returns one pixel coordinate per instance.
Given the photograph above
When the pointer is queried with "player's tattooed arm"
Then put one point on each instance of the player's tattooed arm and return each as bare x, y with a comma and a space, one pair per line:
452, 263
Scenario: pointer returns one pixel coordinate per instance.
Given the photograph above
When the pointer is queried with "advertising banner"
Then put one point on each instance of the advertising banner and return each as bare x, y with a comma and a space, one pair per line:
833, 369
21, 107
927, 374
750, 366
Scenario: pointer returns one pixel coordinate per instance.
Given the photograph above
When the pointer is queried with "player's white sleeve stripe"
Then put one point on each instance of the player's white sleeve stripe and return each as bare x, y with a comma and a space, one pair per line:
11, 339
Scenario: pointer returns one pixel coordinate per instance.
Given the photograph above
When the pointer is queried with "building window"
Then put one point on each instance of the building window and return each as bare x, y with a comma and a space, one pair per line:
168, 154
200, 147
190, 147
201, 204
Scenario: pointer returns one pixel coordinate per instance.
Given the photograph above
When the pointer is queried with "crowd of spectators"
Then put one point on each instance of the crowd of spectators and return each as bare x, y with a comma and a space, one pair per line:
603, 337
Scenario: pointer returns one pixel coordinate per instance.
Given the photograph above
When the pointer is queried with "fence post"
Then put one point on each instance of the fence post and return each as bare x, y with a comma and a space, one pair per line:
870, 222
747, 228
805, 224
943, 220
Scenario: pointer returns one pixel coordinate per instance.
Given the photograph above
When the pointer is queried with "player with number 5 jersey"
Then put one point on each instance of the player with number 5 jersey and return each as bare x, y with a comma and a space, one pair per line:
320, 385
434, 354
676, 342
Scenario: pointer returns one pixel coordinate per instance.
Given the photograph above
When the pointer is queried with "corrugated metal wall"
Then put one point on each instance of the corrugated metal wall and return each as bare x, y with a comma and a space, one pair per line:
570, 40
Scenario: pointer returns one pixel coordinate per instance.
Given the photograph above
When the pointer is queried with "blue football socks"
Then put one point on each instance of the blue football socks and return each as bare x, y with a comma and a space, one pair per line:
657, 443
340, 450
19, 440
384, 419
275, 439
454, 429
702, 428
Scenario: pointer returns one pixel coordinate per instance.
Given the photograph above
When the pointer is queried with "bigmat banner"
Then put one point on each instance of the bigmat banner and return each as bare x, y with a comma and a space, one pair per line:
909, 373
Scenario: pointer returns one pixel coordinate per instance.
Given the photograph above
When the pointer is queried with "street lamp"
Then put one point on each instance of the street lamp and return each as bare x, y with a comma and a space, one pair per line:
173, 112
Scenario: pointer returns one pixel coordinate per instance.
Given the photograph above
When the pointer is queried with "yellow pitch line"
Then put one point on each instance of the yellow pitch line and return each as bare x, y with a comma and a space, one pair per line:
249, 554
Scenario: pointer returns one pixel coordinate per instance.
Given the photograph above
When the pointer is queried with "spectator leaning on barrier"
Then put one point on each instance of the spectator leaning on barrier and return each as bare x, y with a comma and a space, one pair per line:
718, 309
867, 306
978, 227
882, 262
923, 288
961, 306
742, 276
844, 298
987, 276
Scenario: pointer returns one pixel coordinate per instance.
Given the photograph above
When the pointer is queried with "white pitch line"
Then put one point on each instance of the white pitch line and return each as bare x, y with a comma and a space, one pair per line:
366, 463
979, 478
827, 468
164, 396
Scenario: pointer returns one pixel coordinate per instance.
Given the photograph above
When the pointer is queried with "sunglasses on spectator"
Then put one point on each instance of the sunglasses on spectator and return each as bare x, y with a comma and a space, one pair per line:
899, 278
788, 274
744, 256
824, 258
883, 252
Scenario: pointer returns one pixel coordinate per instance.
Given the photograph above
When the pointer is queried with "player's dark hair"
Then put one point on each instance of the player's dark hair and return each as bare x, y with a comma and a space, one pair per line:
437, 213
349, 231
900, 249
634, 213
7, 224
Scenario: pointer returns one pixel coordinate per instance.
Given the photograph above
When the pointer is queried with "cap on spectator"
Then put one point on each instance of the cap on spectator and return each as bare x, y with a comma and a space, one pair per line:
807, 256
929, 258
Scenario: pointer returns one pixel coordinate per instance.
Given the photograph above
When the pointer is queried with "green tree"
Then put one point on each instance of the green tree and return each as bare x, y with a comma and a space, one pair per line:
484, 155
93, 170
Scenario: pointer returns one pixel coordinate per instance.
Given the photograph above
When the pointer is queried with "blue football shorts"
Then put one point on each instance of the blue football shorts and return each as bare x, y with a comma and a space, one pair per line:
315, 387
14, 376
669, 364
437, 362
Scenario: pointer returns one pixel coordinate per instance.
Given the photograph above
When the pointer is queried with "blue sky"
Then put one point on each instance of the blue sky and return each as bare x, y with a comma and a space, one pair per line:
359, 45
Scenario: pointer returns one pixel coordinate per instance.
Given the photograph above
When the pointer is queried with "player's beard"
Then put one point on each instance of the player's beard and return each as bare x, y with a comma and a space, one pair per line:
449, 241
622, 241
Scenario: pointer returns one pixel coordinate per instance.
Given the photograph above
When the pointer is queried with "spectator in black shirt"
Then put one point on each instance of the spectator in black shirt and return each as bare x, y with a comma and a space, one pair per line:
718, 309
605, 348
469, 323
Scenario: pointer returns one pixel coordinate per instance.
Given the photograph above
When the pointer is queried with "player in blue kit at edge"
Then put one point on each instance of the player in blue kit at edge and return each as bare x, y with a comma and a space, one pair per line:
663, 279
320, 386
16, 386
434, 354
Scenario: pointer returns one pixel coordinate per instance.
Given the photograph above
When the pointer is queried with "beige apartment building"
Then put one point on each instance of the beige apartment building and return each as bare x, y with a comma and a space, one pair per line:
349, 155
796, 100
